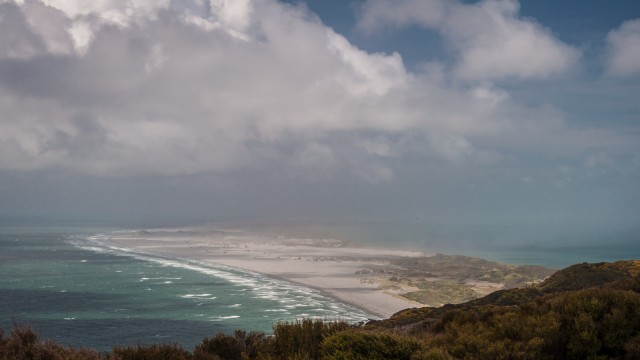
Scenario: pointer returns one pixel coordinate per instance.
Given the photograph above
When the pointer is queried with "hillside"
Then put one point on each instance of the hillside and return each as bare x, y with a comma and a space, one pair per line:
586, 311
621, 275
442, 279
583, 311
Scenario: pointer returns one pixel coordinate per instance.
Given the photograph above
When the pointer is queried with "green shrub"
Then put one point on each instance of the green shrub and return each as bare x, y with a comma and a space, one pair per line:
303, 339
240, 346
151, 352
432, 354
359, 345
24, 344
220, 346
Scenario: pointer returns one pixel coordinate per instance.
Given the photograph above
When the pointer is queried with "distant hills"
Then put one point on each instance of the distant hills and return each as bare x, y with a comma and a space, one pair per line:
585, 311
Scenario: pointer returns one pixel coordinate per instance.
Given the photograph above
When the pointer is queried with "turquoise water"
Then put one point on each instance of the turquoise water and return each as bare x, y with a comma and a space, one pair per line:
74, 288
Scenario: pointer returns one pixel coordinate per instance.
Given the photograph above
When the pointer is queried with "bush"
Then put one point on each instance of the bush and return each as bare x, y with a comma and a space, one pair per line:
303, 339
240, 346
356, 345
24, 343
433, 354
151, 352
221, 345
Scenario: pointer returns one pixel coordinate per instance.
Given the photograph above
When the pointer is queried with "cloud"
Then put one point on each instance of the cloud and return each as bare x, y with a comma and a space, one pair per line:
136, 88
374, 14
489, 39
166, 96
235, 14
120, 13
374, 73
18, 40
624, 49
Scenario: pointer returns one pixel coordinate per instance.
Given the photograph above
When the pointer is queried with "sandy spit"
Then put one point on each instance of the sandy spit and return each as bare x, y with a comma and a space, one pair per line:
329, 265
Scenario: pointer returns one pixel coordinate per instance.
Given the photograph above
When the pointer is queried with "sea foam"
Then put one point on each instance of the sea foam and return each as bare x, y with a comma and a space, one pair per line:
286, 296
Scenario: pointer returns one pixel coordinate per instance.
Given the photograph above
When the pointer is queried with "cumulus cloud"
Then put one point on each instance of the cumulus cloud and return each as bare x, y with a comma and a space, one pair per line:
168, 97
624, 49
235, 14
375, 73
147, 88
489, 39
113, 12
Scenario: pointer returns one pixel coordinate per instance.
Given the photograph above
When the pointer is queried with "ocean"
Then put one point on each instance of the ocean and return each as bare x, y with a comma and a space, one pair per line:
74, 288
554, 247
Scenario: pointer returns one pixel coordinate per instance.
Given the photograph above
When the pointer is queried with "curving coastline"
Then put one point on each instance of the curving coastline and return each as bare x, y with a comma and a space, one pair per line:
337, 269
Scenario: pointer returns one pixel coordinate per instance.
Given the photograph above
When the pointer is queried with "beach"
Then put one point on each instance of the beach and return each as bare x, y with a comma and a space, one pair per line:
96, 287
346, 272
379, 281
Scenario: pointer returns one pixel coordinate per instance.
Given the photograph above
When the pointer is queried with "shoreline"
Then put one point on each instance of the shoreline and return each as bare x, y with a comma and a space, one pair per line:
337, 270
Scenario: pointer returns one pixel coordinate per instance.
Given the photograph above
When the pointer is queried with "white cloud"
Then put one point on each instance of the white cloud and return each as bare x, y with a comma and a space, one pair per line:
166, 97
266, 85
489, 95
489, 39
115, 12
235, 14
493, 43
51, 25
624, 49
233, 17
82, 35
86, 17
366, 73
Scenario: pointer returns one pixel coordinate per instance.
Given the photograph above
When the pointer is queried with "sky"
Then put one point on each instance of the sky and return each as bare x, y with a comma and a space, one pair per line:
494, 114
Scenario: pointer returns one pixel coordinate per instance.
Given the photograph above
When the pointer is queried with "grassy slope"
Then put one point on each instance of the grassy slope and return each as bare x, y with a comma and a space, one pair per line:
443, 279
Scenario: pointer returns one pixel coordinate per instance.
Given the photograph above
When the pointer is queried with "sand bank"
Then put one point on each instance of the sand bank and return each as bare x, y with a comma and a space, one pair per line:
342, 271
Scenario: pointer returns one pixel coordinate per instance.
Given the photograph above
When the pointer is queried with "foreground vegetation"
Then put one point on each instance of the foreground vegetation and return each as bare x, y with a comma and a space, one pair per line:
587, 311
